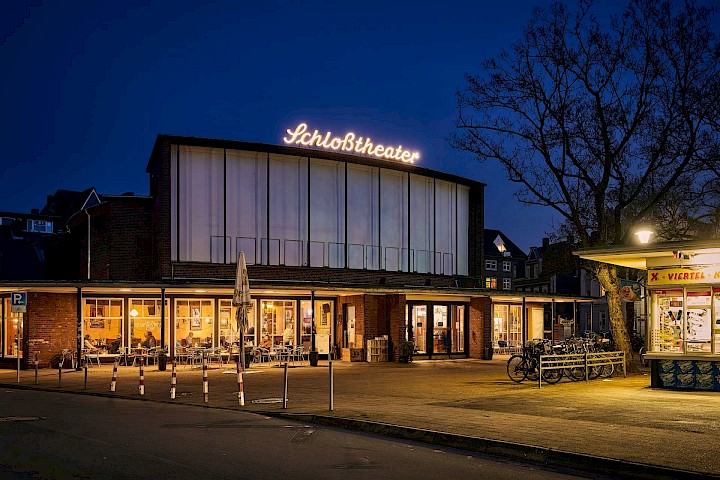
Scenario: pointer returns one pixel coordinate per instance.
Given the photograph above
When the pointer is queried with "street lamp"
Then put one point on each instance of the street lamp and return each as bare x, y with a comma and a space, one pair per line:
643, 234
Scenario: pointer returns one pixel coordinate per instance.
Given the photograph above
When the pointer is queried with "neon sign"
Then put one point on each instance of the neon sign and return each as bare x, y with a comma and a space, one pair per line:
349, 143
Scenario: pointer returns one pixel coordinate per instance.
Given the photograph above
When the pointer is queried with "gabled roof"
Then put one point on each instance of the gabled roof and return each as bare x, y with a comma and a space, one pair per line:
494, 241
66, 203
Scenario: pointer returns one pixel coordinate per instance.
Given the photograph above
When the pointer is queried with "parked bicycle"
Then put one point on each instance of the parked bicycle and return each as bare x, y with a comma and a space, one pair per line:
526, 365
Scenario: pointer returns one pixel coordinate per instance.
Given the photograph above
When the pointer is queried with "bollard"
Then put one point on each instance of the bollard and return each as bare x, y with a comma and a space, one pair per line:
36, 368
241, 385
173, 381
332, 387
205, 378
113, 382
285, 387
85, 387
142, 376
60, 376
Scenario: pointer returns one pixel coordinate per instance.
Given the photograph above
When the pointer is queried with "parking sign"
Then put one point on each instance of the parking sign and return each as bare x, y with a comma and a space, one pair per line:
18, 302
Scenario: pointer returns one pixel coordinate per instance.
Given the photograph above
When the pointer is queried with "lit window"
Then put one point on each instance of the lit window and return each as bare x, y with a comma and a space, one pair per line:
506, 284
507, 267
491, 282
490, 264
39, 226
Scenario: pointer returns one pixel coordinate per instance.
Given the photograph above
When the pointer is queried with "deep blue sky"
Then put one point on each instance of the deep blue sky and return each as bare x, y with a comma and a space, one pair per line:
86, 86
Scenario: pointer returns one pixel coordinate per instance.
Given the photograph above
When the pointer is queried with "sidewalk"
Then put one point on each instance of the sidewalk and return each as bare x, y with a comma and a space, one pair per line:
466, 403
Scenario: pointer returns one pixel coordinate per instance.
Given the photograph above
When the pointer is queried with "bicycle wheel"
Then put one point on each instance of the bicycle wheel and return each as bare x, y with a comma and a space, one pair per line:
517, 368
607, 370
532, 369
575, 373
552, 376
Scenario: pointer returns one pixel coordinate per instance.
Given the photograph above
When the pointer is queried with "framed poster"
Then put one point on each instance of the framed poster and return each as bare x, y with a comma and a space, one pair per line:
97, 323
195, 323
224, 317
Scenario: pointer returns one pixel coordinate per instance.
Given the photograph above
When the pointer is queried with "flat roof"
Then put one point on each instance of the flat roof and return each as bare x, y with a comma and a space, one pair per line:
635, 256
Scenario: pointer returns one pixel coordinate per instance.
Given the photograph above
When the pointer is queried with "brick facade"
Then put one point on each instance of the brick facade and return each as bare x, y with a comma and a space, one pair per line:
50, 326
480, 328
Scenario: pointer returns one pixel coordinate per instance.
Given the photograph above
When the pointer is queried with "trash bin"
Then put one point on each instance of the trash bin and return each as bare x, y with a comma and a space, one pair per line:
488, 353
313, 357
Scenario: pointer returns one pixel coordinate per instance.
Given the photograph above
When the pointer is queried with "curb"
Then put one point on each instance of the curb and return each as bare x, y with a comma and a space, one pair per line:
527, 453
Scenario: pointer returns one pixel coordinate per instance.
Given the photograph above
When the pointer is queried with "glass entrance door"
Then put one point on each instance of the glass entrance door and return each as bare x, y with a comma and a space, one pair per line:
437, 328
419, 328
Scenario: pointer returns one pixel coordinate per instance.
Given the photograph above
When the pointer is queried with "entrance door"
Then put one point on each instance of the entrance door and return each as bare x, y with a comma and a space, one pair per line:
442, 333
437, 328
419, 328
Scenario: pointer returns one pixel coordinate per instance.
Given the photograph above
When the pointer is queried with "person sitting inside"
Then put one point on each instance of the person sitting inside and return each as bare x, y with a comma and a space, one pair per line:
189, 340
115, 345
150, 341
89, 343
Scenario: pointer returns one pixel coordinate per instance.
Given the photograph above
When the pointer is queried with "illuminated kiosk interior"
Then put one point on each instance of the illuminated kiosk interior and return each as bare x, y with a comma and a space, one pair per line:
683, 300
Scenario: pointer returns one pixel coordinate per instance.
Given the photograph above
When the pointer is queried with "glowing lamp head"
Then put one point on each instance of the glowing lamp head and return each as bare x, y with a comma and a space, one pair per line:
644, 234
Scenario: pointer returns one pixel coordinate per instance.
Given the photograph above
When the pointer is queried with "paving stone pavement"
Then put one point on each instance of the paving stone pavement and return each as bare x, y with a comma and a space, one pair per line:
620, 419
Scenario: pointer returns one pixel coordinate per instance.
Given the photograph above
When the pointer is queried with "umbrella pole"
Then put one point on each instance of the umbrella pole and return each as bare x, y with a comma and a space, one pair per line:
241, 332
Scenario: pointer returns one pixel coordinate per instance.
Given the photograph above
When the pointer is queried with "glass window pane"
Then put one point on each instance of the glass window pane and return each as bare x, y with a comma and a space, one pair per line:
666, 334
102, 321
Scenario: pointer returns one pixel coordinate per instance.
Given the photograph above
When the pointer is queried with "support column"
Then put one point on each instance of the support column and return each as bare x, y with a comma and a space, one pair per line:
79, 339
481, 328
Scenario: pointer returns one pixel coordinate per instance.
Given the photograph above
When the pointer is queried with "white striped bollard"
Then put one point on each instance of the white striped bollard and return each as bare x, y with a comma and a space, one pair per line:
173, 381
241, 385
142, 376
205, 378
113, 382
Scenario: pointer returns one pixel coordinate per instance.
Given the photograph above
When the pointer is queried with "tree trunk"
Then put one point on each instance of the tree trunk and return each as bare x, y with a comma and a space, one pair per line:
608, 278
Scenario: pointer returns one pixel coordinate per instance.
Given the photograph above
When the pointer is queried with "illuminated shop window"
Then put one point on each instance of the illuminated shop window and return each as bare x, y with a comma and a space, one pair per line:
145, 316
13, 328
194, 323
229, 334
102, 320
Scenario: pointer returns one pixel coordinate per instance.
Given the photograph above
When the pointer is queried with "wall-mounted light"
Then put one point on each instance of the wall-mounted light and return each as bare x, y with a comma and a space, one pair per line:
133, 313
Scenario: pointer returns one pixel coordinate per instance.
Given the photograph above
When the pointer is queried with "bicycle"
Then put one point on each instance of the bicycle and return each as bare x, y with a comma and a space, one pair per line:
527, 364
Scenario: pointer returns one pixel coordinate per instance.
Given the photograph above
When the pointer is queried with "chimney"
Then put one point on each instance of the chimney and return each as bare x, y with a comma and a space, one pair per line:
546, 242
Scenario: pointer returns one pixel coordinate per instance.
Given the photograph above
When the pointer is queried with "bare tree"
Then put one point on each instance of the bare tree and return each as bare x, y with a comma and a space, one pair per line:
610, 124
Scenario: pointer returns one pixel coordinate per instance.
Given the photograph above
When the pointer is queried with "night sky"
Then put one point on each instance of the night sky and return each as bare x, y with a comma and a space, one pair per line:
87, 86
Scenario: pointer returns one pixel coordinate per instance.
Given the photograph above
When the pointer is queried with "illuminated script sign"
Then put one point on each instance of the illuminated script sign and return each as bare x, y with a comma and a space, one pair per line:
350, 143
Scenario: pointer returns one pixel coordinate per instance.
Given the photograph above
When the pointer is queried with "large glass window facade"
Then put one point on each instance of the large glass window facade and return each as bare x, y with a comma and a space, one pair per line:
194, 323
436, 328
277, 323
12, 326
229, 334
286, 210
103, 321
685, 320
507, 325
145, 316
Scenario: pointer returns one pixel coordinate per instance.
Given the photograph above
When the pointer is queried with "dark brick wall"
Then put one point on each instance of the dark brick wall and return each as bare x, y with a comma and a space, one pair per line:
476, 228
378, 315
160, 190
50, 326
480, 327
398, 325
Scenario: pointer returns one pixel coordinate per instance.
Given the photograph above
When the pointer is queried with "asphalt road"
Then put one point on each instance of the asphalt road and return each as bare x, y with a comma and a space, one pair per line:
55, 436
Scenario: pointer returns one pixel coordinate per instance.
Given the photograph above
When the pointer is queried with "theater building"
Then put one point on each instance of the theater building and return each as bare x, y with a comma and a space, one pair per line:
345, 242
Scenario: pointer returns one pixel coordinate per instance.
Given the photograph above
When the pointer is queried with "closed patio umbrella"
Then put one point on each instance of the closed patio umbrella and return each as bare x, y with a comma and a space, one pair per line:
242, 300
